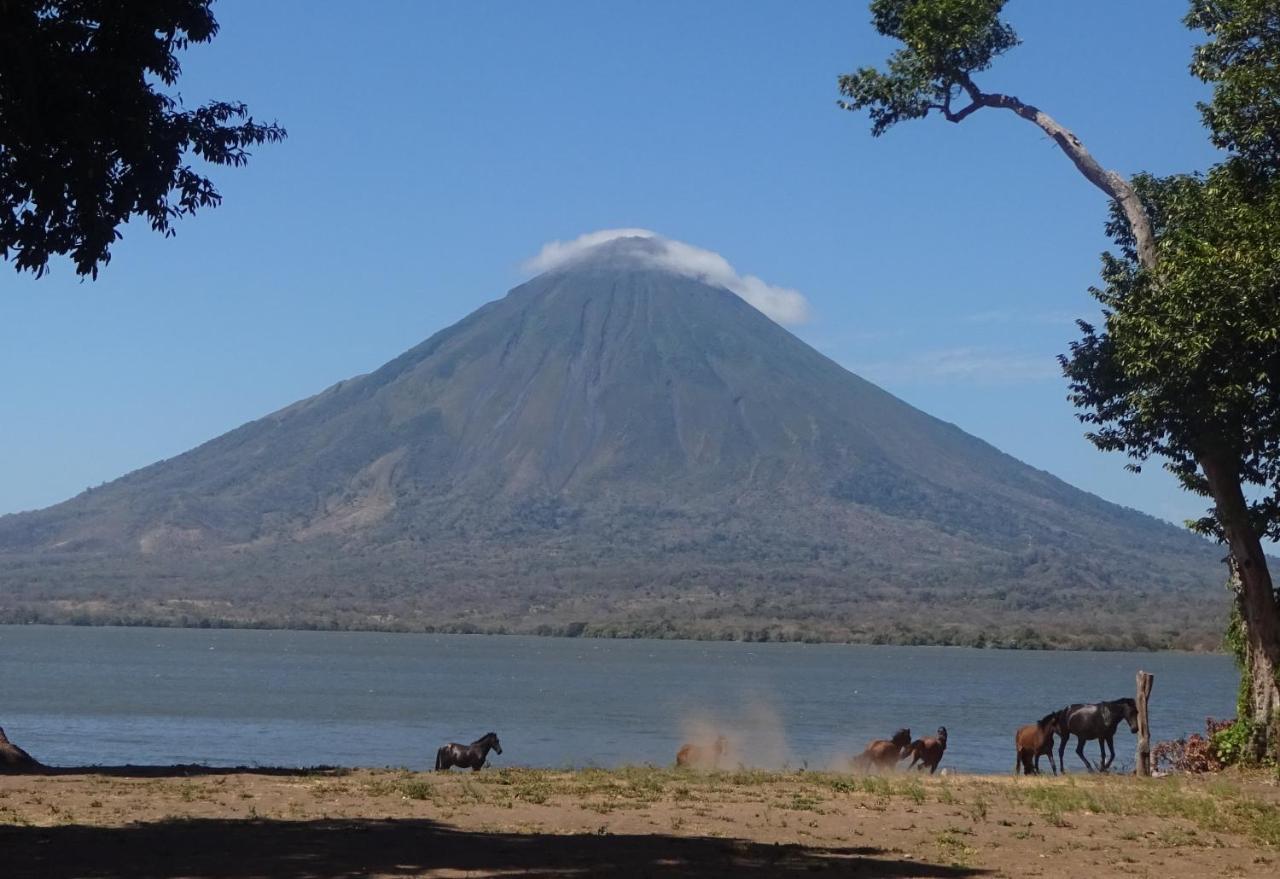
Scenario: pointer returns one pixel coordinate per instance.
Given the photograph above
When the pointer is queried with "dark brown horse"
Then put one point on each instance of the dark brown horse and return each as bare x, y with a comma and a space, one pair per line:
927, 752
700, 756
470, 756
884, 753
13, 758
1033, 741
1097, 720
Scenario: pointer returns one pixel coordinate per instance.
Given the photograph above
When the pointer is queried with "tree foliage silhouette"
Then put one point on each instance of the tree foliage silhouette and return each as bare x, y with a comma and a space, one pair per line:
88, 139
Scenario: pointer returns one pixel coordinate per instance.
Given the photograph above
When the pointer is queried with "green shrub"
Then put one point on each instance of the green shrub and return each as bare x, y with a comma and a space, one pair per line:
1234, 744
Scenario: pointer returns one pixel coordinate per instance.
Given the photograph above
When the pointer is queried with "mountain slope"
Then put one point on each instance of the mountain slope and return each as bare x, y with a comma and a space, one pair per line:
616, 447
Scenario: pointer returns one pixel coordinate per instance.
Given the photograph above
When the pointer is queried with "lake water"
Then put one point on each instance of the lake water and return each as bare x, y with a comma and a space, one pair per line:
79, 696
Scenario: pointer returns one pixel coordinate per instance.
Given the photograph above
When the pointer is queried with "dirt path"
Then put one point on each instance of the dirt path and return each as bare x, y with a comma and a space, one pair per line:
630, 822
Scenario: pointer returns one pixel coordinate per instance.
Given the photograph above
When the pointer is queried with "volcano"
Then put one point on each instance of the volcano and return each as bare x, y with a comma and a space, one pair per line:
613, 448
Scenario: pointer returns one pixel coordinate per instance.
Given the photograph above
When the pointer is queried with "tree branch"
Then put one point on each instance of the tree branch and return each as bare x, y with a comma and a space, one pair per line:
957, 115
1110, 182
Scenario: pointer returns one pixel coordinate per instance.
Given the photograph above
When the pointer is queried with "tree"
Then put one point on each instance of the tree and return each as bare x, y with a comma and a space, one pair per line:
1188, 364
1241, 59
1187, 368
87, 139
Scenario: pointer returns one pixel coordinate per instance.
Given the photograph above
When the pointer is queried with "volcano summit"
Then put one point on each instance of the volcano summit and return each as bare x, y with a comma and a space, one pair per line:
621, 445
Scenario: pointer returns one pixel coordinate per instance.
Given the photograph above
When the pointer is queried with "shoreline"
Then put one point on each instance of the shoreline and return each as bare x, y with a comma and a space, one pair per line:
200, 770
586, 635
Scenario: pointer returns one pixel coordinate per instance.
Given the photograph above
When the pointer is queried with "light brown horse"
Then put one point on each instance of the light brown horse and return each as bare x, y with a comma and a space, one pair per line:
884, 753
927, 752
692, 755
1034, 741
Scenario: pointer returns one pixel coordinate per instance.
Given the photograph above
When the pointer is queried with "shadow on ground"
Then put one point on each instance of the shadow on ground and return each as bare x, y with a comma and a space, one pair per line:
222, 849
180, 770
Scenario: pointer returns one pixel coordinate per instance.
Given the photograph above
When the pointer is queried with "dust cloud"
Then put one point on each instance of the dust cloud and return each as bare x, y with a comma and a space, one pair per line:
756, 738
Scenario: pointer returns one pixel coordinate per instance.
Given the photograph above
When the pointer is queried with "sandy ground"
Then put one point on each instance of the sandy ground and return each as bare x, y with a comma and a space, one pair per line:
630, 822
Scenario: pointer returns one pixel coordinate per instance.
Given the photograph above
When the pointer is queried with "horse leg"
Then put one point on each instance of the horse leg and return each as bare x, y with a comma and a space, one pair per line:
1080, 752
1111, 746
1102, 754
1062, 748
1051, 766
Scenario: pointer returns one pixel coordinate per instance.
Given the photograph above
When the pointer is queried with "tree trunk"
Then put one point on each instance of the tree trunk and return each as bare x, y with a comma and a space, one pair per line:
1259, 611
1142, 760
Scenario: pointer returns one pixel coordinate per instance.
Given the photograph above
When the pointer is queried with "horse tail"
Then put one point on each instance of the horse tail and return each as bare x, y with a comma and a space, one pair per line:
440, 759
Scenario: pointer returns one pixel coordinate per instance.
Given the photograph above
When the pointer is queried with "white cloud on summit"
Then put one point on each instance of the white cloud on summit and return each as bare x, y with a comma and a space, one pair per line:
782, 304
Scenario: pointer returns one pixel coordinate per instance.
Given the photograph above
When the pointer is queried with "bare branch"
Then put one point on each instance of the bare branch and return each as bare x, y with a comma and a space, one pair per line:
1110, 182
959, 115
954, 115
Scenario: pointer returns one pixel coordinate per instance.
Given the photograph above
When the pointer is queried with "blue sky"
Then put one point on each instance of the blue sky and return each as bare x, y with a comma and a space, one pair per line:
435, 146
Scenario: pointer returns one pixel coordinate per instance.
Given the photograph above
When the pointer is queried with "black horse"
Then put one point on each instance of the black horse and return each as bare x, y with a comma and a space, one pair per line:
470, 756
1095, 721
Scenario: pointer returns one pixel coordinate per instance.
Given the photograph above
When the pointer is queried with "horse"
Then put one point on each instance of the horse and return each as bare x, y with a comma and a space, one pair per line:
470, 756
928, 751
698, 755
14, 758
884, 753
1097, 720
1034, 741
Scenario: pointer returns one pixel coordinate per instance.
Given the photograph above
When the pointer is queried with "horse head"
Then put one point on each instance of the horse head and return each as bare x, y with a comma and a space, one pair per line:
942, 735
902, 738
1129, 709
1060, 720
492, 739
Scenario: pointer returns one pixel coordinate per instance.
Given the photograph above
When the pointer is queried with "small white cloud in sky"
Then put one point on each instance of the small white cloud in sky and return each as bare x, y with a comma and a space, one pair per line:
960, 366
782, 304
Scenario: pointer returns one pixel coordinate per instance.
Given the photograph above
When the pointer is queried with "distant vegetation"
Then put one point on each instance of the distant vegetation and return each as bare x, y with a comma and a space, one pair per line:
1023, 606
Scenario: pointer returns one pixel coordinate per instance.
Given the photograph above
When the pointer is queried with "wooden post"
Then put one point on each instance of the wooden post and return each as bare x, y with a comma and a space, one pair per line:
1143, 763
